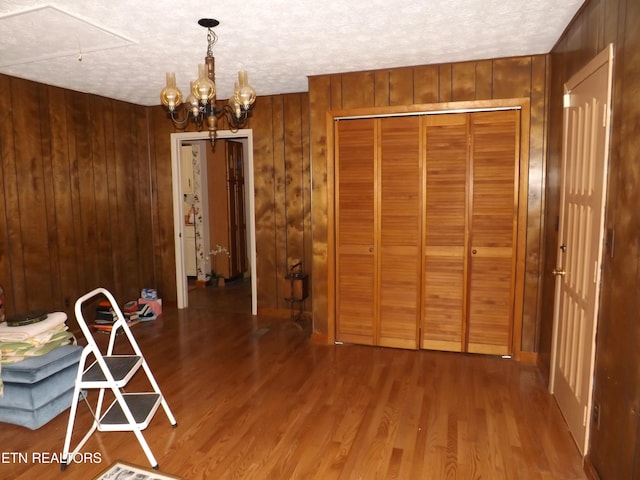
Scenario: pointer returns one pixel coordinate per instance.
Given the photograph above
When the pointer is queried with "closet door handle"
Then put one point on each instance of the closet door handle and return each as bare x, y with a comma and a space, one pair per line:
370, 249
473, 252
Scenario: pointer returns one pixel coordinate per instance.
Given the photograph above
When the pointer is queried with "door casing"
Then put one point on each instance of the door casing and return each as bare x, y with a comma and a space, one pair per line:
245, 135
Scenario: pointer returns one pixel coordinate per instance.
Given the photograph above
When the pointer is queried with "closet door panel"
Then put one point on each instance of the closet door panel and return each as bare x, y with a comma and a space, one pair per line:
493, 229
444, 299
445, 244
355, 231
400, 227
490, 304
355, 303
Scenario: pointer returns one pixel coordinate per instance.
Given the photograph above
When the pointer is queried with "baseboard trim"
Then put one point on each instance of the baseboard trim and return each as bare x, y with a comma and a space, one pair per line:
527, 357
589, 470
320, 339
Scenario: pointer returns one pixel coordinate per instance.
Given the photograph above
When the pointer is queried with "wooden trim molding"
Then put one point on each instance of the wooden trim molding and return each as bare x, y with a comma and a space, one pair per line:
427, 108
331, 244
518, 307
528, 357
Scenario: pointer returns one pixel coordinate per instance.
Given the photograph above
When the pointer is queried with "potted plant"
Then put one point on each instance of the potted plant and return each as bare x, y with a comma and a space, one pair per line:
217, 251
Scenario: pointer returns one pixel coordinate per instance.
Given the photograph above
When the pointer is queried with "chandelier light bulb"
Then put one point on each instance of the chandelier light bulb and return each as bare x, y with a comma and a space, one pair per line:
203, 88
244, 94
171, 96
192, 101
233, 103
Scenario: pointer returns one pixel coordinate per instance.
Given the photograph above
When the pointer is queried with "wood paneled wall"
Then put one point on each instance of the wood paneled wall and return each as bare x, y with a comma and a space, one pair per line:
86, 196
74, 197
282, 186
613, 451
518, 77
282, 171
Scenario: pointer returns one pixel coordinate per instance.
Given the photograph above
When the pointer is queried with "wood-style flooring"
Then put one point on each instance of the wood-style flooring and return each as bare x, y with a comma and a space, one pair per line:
254, 399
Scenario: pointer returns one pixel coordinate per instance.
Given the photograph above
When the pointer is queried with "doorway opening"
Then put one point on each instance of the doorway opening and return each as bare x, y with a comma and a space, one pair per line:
178, 140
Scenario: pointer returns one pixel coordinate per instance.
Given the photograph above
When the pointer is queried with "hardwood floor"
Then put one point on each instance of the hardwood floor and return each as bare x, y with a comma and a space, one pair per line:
254, 399
234, 297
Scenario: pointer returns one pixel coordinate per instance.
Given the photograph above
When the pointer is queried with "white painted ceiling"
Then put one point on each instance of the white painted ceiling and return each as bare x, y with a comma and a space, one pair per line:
122, 48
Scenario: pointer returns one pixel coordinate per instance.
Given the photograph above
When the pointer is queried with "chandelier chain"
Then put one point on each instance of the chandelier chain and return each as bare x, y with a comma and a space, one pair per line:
212, 39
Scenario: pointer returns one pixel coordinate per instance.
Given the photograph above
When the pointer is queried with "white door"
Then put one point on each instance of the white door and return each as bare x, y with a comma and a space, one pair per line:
584, 178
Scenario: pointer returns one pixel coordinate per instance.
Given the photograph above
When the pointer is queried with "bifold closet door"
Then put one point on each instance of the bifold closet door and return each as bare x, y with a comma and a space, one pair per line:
493, 223
355, 174
471, 208
445, 236
378, 231
426, 224
400, 232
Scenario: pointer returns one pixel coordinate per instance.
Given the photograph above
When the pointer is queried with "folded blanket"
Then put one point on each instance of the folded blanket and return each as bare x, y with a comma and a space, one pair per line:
12, 352
34, 342
20, 334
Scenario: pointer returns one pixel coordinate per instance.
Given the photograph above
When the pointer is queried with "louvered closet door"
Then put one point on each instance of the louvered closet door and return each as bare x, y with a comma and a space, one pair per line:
355, 194
400, 232
492, 230
446, 144
443, 189
378, 231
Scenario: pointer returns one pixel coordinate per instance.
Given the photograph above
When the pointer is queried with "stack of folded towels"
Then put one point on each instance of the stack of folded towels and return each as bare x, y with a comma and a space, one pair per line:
18, 343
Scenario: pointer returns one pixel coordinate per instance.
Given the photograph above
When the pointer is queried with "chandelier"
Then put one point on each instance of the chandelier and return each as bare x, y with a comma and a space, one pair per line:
201, 105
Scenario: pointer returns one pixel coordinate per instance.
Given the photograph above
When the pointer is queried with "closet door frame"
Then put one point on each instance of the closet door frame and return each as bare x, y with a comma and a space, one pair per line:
523, 104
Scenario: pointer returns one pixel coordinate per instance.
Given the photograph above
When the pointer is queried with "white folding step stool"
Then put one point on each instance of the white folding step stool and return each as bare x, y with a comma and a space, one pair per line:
129, 411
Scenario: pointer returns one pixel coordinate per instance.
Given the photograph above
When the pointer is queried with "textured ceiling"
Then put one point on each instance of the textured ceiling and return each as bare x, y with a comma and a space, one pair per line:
122, 48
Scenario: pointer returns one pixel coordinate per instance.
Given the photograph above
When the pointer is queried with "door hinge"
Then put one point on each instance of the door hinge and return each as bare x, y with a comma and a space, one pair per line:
584, 419
566, 100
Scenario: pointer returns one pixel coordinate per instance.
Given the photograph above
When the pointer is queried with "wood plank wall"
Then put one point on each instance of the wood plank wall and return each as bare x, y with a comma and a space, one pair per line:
87, 201
613, 450
282, 170
73, 198
482, 80
282, 186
